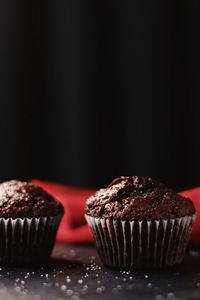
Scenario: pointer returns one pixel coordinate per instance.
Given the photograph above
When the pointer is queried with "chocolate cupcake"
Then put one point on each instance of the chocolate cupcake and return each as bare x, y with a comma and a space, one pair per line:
139, 222
29, 219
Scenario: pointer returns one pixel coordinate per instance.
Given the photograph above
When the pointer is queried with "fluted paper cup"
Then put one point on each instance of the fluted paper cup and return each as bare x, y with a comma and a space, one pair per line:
141, 244
27, 241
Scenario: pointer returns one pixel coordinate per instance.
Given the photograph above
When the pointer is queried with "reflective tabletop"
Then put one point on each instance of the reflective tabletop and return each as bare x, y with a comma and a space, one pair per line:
75, 272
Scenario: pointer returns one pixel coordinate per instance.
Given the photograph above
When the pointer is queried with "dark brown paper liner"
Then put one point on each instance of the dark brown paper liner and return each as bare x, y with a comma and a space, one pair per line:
27, 241
140, 244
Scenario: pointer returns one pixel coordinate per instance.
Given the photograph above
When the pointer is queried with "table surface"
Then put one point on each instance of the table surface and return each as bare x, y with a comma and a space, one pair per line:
75, 273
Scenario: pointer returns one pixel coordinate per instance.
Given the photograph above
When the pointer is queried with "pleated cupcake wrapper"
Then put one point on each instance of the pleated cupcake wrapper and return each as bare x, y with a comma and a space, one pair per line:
140, 244
28, 240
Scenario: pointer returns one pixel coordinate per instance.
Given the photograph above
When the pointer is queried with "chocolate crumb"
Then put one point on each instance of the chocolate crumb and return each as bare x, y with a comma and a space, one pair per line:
138, 198
22, 199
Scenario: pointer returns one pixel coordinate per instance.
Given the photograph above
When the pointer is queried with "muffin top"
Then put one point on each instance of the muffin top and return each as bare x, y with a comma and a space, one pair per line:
22, 199
138, 198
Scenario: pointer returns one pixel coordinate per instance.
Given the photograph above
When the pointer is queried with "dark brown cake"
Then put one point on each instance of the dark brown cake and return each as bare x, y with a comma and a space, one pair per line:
29, 219
138, 222
22, 199
138, 198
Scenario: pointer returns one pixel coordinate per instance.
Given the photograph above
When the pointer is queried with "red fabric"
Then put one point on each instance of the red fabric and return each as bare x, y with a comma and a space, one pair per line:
194, 195
73, 228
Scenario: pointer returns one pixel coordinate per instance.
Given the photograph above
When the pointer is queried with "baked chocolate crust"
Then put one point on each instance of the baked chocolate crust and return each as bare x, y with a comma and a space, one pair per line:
138, 198
22, 199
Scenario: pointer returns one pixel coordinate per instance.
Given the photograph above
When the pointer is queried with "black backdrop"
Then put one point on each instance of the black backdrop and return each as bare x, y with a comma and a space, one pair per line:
90, 90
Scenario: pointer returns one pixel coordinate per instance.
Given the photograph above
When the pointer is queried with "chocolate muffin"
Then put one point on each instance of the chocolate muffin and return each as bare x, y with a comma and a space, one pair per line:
29, 219
139, 222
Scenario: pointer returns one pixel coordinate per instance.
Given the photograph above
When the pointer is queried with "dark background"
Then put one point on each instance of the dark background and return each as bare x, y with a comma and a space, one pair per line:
90, 90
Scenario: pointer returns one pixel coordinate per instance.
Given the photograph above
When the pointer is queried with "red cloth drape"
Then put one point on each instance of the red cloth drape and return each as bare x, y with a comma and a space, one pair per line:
194, 195
73, 228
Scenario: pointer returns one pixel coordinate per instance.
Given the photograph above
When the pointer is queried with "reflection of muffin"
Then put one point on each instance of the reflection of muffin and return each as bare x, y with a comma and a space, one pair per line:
139, 222
29, 219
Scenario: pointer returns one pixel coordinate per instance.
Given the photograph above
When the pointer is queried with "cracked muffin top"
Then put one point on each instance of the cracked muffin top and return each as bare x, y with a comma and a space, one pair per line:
138, 198
22, 199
